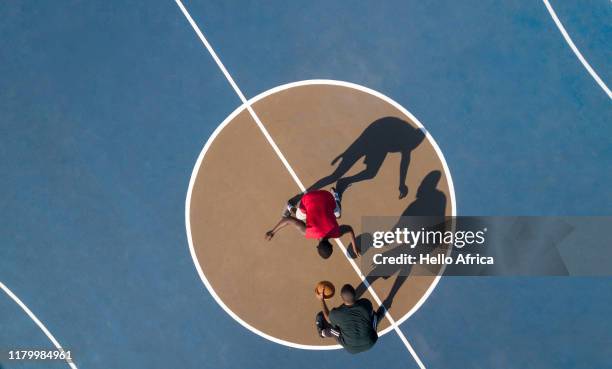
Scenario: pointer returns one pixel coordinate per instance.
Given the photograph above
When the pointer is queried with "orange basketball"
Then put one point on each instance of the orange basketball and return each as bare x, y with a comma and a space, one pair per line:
326, 287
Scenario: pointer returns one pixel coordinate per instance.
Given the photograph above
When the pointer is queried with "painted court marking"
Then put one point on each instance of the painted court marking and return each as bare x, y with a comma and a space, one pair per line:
207, 146
247, 104
36, 320
240, 95
577, 52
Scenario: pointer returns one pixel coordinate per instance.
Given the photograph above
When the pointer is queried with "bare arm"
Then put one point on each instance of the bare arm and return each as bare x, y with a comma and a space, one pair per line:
347, 229
324, 307
283, 223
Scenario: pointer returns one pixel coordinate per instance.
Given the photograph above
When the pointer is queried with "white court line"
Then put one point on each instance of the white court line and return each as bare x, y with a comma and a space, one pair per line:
289, 169
569, 41
240, 94
35, 319
227, 121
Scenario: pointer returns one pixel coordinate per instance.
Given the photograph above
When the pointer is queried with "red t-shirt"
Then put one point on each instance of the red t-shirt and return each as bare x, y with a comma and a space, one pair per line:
319, 208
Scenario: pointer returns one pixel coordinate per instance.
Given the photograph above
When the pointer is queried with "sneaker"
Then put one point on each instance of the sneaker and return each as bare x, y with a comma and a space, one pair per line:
338, 210
288, 211
336, 195
319, 321
341, 186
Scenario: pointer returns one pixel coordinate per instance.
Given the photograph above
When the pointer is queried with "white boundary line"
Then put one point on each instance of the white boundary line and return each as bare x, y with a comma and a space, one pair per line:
203, 154
35, 319
226, 122
571, 44
247, 105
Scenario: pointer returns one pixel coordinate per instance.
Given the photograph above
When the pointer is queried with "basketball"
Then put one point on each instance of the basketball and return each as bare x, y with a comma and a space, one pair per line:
326, 287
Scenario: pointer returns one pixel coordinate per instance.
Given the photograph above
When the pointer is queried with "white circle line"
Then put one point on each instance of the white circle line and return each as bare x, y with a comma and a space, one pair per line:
218, 130
577, 52
36, 320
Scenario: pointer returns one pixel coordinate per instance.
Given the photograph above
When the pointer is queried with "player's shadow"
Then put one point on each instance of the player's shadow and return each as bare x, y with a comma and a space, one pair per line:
431, 203
383, 136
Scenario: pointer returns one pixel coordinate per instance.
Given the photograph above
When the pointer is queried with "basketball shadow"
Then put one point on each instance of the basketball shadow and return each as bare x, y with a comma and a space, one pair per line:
383, 136
429, 202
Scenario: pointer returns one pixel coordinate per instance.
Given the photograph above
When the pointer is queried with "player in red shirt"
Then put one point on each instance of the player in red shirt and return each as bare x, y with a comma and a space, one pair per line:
315, 217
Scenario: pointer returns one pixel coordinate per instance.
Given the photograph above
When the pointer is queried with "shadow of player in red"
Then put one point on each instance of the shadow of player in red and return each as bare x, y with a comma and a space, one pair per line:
383, 136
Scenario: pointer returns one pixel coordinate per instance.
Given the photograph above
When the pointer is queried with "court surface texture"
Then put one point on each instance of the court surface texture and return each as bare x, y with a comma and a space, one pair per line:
146, 148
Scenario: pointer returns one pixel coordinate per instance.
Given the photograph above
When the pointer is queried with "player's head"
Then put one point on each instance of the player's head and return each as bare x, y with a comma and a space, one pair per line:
325, 248
348, 294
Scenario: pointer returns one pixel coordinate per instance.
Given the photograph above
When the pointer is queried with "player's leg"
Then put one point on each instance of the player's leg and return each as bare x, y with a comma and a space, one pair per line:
324, 329
289, 210
299, 214
321, 324
378, 315
299, 224
338, 209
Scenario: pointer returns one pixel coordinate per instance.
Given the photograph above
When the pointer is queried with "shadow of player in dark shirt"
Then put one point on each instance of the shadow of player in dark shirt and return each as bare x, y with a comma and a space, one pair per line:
431, 203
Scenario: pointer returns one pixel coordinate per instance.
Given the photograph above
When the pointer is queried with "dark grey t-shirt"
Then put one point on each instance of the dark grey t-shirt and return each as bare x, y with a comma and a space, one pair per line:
357, 332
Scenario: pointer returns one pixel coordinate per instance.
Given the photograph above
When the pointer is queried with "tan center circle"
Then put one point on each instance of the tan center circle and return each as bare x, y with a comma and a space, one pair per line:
240, 188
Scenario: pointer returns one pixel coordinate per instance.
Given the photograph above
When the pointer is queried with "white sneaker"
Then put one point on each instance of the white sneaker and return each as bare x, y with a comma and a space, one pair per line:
288, 211
338, 209
335, 194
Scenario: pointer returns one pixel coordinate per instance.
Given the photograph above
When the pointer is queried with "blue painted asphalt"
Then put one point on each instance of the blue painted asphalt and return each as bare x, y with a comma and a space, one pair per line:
105, 106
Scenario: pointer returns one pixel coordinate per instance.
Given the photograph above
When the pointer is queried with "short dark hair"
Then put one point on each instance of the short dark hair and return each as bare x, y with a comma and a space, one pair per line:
325, 248
348, 293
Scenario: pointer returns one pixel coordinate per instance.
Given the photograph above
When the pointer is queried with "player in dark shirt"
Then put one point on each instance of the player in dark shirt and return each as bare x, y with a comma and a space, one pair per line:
353, 324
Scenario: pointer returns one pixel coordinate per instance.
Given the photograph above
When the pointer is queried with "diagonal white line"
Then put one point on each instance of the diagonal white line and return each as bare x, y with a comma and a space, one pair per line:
240, 94
571, 44
291, 171
38, 322
379, 302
